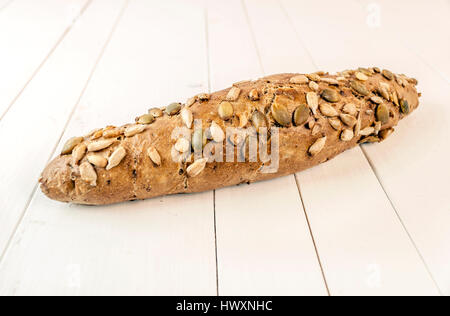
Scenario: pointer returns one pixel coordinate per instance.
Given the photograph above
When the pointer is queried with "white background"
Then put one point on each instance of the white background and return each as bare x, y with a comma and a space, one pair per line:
373, 221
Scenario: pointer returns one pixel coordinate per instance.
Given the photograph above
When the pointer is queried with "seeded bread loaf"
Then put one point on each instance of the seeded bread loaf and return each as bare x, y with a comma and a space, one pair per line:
317, 115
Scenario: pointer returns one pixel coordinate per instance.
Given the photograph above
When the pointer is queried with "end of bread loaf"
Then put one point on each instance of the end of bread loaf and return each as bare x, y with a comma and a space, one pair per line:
316, 117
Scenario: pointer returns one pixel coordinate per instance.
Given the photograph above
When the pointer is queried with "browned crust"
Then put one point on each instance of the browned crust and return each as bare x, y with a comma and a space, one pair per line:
137, 177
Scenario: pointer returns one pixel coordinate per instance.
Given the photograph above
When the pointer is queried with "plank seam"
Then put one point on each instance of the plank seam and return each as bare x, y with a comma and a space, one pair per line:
47, 57
422, 258
22, 216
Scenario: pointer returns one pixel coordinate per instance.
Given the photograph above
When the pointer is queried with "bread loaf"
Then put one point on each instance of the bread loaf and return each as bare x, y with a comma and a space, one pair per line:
296, 121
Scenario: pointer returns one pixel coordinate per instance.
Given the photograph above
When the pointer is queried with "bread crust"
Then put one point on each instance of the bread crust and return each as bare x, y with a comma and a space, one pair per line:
138, 177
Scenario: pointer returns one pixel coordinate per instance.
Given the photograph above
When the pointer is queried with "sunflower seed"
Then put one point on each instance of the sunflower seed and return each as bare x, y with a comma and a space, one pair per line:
243, 119
347, 135
258, 120
217, 133
316, 129
301, 115
367, 131
413, 81
335, 123
313, 77
253, 95
358, 124
359, 87
369, 112
311, 123
111, 133
377, 127
384, 90
328, 110
145, 119
330, 95
404, 106
182, 145
78, 153
376, 69
365, 71
330, 81
134, 130
173, 108
70, 145
191, 101
387, 74
280, 114
348, 120
350, 108
376, 99
203, 97
225, 110
382, 114
154, 155
300, 79
116, 157
97, 160
155, 112
197, 167
100, 144
317, 146
369, 139
314, 86
233, 94
187, 117
88, 173
386, 133
394, 98
313, 101
340, 78
361, 76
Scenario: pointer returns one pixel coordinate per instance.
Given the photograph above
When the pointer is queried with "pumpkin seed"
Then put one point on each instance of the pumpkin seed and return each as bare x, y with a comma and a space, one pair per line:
187, 117
70, 145
376, 99
335, 123
367, 131
198, 140
328, 110
359, 87
330, 95
387, 74
314, 86
155, 112
112, 133
301, 115
225, 110
382, 114
313, 101
413, 81
197, 167
88, 174
203, 97
348, 120
78, 153
258, 120
154, 155
313, 77
146, 119
217, 133
100, 144
347, 135
280, 114
116, 157
233, 94
364, 71
361, 76
386, 133
316, 129
97, 160
134, 130
350, 108
300, 79
370, 139
182, 145
173, 108
404, 106
253, 95
317, 146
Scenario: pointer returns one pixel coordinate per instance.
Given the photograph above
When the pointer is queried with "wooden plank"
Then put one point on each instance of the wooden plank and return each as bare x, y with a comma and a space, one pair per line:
159, 246
263, 241
25, 47
363, 246
4, 4
426, 34
40, 114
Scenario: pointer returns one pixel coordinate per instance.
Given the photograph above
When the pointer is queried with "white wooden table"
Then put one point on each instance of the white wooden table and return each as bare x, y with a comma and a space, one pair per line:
373, 221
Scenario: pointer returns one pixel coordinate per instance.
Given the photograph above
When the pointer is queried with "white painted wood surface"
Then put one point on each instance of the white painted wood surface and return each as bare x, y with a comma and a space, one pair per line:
373, 221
